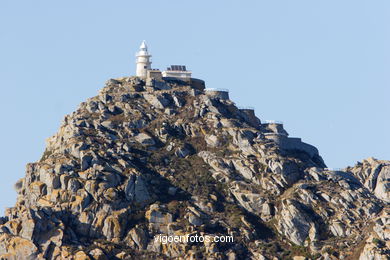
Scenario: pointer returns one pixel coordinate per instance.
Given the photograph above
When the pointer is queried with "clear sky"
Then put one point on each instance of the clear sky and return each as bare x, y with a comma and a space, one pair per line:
321, 67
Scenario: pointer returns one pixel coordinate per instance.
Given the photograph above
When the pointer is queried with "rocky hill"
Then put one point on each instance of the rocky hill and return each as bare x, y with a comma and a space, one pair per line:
166, 157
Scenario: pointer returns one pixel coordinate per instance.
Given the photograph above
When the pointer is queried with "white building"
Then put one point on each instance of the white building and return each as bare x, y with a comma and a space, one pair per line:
144, 69
143, 61
177, 71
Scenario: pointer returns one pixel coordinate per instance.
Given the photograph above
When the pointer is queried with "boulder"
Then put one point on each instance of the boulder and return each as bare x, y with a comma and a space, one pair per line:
98, 254
382, 187
136, 190
158, 101
139, 236
295, 223
13, 247
184, 151
145, 139
212, 140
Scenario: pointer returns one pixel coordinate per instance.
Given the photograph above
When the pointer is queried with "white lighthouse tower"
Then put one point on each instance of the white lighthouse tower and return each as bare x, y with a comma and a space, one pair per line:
143, 60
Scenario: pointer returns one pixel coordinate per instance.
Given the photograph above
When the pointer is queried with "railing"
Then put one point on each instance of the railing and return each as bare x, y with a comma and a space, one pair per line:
217, 89
332, 169
246, 108
273, 122
143, 55
278, 134
181, 71
271, 133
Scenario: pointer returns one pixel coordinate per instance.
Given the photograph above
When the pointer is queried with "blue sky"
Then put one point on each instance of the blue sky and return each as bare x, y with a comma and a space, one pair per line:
321, 67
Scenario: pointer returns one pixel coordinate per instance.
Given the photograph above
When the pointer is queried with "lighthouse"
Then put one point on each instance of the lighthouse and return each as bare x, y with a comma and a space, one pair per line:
143, 60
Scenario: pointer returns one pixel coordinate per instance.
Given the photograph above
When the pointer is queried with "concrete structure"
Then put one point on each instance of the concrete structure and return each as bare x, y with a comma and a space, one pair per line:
197, 84
154, 74
177, 71
157, 80
248, 114
277, 133
143, 61
275, 127
293, 143
144, 70
217, 93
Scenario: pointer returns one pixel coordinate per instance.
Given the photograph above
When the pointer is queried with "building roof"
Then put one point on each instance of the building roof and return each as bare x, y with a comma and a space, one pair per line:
143, 50
143, 45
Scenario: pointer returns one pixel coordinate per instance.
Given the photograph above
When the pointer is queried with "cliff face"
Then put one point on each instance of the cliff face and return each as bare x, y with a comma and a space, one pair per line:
137, 161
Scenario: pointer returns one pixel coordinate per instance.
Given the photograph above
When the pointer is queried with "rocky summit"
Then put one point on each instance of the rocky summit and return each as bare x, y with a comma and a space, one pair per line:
167, 157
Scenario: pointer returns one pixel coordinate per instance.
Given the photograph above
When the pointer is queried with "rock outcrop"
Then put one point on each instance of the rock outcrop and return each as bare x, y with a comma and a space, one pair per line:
375, 175
137, 162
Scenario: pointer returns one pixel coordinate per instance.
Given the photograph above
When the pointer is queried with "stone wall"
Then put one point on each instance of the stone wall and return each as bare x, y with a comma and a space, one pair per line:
154, 74
293, 143
221, 94
197, 84
276, 128
249, 116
